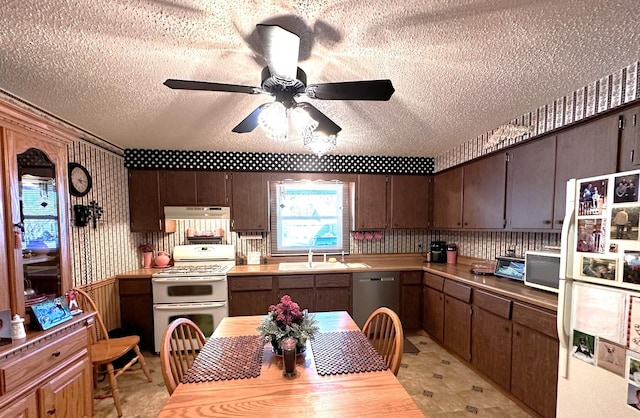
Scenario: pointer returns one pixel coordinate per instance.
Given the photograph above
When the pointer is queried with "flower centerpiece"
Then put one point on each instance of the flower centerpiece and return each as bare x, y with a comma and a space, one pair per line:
287, 320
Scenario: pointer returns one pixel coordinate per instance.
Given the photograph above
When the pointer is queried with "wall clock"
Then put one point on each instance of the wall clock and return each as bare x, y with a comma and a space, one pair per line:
80, 181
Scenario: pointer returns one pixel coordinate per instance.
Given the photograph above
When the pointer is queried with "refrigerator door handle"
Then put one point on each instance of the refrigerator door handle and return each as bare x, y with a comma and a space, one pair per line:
564, 290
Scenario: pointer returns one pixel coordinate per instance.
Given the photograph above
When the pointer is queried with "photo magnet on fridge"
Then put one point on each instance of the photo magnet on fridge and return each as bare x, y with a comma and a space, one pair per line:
611, 356
583, 347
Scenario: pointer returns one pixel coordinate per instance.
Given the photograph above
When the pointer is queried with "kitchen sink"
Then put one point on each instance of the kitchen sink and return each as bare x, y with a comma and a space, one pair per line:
314, 266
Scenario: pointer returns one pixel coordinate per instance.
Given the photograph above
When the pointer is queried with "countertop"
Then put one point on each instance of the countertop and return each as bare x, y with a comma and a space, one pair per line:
460, 272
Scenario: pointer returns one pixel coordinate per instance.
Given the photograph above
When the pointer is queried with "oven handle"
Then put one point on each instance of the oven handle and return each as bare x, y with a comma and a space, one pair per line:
189, 279
186, 306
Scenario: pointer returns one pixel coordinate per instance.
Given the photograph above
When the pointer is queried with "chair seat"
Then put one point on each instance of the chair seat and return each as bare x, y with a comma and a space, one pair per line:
106, 351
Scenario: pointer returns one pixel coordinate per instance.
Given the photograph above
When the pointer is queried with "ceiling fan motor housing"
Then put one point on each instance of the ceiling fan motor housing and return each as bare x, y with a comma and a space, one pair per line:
282, 88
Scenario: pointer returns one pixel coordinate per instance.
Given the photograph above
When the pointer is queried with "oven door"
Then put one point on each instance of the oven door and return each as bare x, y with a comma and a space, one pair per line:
206, 315
189, 289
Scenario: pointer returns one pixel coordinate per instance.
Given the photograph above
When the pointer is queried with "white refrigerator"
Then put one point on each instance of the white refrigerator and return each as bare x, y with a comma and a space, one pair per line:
599, 299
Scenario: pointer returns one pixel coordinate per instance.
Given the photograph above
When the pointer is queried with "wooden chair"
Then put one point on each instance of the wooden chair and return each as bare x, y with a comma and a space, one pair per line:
384, 329
105, 350
182, 340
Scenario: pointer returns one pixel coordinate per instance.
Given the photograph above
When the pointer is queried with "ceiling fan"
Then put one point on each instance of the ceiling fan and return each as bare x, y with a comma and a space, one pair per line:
283, 79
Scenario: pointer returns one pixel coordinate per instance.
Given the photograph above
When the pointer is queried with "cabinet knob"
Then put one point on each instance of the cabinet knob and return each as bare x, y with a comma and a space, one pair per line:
52, 411
560, 221
547, 222
55, 354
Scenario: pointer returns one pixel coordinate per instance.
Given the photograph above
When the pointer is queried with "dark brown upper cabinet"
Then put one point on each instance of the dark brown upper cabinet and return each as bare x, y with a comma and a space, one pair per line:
447, 199
531, 179
484, 192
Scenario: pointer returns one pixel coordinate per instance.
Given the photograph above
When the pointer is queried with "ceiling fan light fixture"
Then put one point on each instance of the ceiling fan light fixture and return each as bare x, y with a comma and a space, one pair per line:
304, 124
274, 122
318, 143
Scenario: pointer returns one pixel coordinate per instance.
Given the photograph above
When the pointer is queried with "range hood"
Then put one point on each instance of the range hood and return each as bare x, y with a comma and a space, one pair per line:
197, 212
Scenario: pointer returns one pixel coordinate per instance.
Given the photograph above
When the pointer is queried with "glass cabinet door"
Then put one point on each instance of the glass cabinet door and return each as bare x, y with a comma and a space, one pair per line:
39, 267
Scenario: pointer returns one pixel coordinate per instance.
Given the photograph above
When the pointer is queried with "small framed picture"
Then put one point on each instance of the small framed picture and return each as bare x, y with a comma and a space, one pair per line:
593, 197
626, 189
5, 327
591, 235
624, 223
633, 397
600, 268
611, 356
631, 269
633, 368
584, 347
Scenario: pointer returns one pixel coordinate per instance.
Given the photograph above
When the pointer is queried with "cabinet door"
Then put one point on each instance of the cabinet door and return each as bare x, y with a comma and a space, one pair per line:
534, 370
584, 151
144, 201
531, 177
249, 202
251, 295
66, 394
457, 326
38, 205
433, 312
629, 158
136, 309
492, 346
179, 187
371, 202
447, 199
300, 288
25, 407
333, 292
484, 187
410, 202
211, 188
410, 299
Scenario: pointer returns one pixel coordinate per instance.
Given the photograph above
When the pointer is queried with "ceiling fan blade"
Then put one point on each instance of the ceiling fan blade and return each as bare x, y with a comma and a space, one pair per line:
204, 85
380, 90
281, 49
325, 124
250, 123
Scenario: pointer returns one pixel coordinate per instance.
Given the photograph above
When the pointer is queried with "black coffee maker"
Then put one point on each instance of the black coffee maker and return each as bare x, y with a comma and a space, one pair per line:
438, 252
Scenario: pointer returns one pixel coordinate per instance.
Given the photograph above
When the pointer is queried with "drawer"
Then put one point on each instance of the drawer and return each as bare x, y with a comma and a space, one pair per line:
411, 277
536, 319
250, 283
492, 303
433, 281
37, 361
134, 286
333, 280
295, 282
457, 290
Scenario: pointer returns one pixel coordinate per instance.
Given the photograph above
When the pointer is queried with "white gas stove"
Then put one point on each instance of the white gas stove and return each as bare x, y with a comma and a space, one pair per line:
195, 287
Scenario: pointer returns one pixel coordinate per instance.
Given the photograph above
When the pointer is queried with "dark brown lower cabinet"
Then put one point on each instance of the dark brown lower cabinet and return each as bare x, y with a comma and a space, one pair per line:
534, 370
300, 288
136, 309
333, 292
433, 312
251, 295
491, 352
457, 326
410, 299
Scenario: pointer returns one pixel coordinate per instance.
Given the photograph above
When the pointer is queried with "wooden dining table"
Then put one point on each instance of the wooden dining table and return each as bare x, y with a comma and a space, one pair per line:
307, 394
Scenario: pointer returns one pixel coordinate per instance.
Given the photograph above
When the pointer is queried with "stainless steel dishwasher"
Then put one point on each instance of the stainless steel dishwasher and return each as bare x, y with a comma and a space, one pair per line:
372, 290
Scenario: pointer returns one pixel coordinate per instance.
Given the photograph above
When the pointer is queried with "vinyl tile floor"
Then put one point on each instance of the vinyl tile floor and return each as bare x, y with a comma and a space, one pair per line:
440, 384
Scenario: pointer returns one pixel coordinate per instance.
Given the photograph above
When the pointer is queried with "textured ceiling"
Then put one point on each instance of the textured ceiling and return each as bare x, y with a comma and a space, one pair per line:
460, 68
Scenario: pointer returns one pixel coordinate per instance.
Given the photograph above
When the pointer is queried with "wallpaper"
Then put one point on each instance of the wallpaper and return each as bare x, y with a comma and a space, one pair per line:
614, 90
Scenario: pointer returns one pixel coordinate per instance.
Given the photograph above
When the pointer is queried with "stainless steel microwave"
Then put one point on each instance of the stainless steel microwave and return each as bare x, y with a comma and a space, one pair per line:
542, 270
